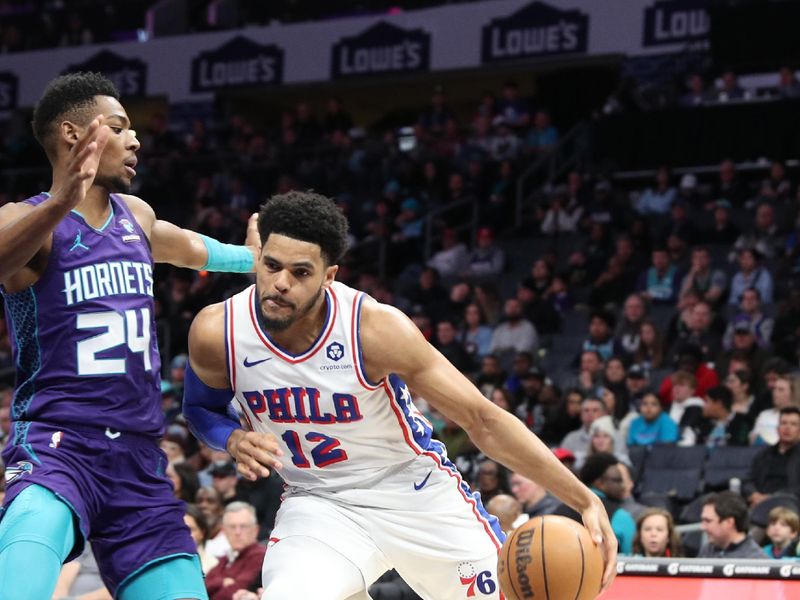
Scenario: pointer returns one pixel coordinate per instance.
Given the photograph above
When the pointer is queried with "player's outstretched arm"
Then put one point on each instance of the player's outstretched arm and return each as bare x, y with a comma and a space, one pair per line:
498, 433
207, 400
25, 230
185, 248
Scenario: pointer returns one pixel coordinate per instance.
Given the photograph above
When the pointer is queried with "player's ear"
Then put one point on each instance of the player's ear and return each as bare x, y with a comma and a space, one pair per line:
69, 132
330, 275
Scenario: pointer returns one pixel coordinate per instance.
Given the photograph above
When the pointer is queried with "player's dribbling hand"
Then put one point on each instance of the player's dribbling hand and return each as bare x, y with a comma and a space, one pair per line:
82, 163
596, 521
255, 453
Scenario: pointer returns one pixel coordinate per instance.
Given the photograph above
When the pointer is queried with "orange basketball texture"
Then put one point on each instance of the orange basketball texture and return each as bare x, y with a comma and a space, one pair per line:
550, 558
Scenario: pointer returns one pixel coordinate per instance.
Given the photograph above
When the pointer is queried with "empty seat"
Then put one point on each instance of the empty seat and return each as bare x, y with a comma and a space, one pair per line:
727, 462
674, 471
759, 515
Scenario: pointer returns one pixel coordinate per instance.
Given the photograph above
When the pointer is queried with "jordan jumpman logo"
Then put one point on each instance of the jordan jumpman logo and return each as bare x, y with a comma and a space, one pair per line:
78, 244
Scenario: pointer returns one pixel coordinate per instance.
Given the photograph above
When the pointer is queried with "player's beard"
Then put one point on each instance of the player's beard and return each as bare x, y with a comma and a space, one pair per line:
114, 185
283, 324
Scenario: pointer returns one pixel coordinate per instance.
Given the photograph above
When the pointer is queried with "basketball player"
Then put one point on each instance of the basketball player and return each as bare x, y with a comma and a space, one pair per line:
76, 267
322, 374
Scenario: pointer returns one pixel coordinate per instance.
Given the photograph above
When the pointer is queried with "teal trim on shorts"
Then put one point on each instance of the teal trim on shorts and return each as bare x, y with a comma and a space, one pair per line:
179, 576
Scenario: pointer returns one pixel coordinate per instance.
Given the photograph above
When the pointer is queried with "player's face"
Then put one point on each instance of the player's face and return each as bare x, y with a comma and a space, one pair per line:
291, 276
118, 162
654, 535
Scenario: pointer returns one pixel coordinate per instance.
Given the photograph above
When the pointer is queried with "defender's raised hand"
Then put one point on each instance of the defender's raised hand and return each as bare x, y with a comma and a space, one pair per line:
82, 164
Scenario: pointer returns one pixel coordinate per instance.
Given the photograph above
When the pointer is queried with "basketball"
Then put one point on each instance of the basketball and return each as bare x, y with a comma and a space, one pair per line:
552, 558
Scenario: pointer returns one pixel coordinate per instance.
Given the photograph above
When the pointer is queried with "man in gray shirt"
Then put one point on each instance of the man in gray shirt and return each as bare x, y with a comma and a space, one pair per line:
724, 521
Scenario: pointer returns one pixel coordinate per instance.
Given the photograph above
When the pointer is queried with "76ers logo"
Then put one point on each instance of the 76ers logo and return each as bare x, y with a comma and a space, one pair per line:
335, 351
482, 581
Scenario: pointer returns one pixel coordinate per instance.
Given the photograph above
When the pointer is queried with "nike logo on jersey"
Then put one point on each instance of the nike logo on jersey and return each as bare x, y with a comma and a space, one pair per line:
419, 486
255, 362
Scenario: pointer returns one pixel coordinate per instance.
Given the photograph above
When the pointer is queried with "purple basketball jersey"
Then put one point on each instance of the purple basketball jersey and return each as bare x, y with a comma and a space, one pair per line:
83, 335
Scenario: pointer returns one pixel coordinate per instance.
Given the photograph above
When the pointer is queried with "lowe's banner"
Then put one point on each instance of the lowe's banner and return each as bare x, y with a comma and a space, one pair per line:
238, 63
443, 38
675, 21
128, 74
381, 49
535, 30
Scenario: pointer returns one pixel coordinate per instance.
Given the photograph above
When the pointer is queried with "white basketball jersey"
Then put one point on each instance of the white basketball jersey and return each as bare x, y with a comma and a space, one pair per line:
337, 429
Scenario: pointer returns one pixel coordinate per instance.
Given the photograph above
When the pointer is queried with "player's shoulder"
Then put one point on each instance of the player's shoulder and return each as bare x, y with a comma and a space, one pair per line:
207, 335
143, 212
380, 322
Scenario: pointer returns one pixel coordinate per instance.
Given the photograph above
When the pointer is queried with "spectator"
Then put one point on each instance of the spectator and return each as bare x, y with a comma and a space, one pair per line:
534, 498
765, 237
515, 334
782, 533
563, 417
784, 395
209, 501
475, 335
729, 187
451, 260
650, 354
490, 376
508, 511
486, 260
543, 309
492, 479
697, 94
563, 214
590, 373
730, 89
760, 325
196, 522
788, 86
751, 274
602, 474
777, 467
687, 408
629, 503
605, 438
529, 407
690, 360
744, 347
657, 200
738, 383
450, 347
653, 425
723, 426
543, 137
579, 440
724, 521
656, 535
661, 281
699, 332
708, 283
600, 338
513, 109
628, 333
614, 381
184, 480
637, 383
722, 230
503, 398
241, 567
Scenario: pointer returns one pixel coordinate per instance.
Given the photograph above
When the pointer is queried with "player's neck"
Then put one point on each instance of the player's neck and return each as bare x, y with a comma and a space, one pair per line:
94, 207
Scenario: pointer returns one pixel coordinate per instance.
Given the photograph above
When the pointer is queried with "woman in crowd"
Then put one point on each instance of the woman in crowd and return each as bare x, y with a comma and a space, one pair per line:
196, 522
656, 535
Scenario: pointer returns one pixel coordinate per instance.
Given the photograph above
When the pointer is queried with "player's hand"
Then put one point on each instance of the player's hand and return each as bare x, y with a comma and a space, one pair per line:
255, 453
83, 161
253, 240
596, 521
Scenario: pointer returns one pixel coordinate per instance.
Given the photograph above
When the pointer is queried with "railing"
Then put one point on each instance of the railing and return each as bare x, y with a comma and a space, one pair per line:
571, 151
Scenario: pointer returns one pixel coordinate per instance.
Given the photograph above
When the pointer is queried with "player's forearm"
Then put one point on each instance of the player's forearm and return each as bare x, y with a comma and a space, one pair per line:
21, 239
208, 412
504, 438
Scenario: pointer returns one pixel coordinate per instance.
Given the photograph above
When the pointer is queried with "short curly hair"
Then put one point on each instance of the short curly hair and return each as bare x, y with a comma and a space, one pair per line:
68, 96
308, 217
